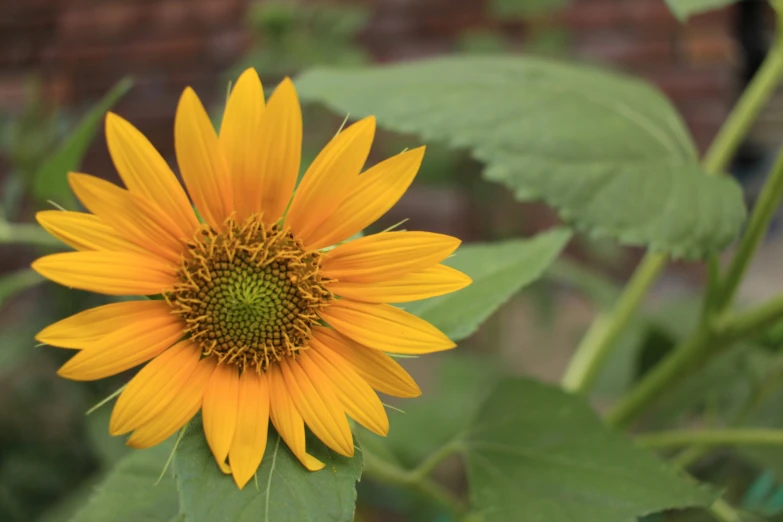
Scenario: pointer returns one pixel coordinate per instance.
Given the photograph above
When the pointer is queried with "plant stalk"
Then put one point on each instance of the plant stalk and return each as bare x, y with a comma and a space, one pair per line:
765, 208
712, 438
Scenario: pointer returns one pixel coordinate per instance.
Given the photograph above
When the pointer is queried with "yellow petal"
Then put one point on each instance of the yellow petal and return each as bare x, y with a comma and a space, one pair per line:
287, 420
238, 140
110, 273
124, 349
84, 231
147, 174
430, 282
133, 217
376, 191
320, 408
356, 396
219, 411
201, 161
384, 327
247, 448
330, 178
388, 255
279, 148
90, 326
379, 370
154, 387
178, 412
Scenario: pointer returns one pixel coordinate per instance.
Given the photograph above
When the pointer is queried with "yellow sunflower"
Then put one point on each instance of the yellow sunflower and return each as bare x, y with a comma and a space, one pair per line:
260, 318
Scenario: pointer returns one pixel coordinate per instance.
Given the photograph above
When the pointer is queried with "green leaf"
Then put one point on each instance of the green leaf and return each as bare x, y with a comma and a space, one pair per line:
441, 414
684, 9
537, 450
286, 491
51, 182
11, 284
499, 270
129, 492
608, 152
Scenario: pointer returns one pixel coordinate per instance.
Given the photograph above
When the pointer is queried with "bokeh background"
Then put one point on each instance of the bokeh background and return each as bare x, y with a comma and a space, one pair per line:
59, 58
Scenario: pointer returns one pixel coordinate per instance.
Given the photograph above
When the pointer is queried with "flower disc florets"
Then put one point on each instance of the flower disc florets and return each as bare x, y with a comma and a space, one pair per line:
249, 293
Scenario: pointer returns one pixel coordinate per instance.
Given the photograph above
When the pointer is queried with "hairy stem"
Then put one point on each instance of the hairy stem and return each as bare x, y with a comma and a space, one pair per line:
765, 208
722, 149
606, 328
380, 470
28, 233
720, 437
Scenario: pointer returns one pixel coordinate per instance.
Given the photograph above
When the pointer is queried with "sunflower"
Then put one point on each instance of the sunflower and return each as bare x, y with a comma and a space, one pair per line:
262, 317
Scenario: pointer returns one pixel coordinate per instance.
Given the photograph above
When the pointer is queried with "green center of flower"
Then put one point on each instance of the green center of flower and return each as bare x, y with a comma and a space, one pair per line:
250, 293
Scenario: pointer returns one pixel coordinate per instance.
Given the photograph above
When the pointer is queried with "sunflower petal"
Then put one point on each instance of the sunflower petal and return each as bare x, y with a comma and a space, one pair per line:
238, 133
154, 387
379, 370
247, 448
330, 178
384, 327
356, 396
146, 173
131, 216
84, 231
287, 420
201, 161
388, 255
124, 349
90, 326
430, 282
110, 273
219, 411
279, 148
320, 408
178, 412
377, 190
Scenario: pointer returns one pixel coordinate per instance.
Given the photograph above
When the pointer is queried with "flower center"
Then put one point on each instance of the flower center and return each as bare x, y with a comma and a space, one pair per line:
249, 294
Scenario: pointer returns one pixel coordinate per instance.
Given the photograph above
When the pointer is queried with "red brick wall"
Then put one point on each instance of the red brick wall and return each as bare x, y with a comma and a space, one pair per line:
82, 47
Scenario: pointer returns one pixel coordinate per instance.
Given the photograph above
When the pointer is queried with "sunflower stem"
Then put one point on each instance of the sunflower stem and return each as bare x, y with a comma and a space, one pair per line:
28, 233
429, 464
713, 438
380, 470
603, 333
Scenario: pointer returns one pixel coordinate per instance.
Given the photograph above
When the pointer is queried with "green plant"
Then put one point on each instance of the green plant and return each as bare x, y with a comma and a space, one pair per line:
613, 157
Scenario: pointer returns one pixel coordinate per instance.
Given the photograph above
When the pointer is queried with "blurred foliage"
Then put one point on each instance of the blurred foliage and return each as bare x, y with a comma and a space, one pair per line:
292, 35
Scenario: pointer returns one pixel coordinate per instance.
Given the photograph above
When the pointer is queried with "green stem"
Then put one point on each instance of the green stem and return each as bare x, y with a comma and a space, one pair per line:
720, 437
768, 203
723, 512
28, 233
746, 324
383, 471
424, 469
742, 116
657, 379
600, 338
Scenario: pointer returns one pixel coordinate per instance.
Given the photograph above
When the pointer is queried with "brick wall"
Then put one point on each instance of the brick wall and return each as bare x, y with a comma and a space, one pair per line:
82, 47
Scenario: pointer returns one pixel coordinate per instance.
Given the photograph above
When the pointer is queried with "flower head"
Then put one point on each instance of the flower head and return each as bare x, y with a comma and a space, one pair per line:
262, 317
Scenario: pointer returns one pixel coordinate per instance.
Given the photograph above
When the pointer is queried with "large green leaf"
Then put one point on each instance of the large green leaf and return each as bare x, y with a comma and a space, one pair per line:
537, 450
286, 491
609, 152
51, 182
129, 492
440, 415
499, 270
683, 9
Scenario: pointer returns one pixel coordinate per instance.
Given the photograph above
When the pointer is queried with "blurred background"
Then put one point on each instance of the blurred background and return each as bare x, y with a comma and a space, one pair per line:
63, 63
